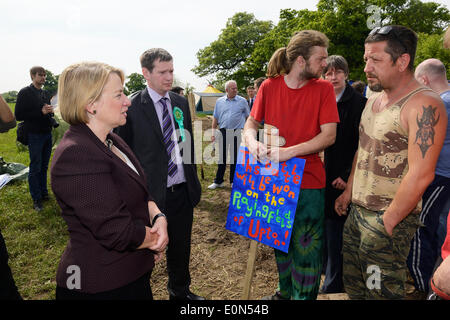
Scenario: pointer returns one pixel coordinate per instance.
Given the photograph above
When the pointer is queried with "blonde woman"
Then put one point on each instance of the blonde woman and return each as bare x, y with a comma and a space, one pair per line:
116, 230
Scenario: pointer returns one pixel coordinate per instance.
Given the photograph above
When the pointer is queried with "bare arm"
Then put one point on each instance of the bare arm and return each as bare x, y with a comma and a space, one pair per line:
213, 128
426, 121
324, 139
256, 148
6, 114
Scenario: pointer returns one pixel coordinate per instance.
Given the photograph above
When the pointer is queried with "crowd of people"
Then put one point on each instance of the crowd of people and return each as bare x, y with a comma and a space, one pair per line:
373, 208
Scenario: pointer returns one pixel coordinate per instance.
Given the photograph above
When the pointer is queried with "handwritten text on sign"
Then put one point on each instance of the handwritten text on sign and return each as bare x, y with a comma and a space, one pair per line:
264, 199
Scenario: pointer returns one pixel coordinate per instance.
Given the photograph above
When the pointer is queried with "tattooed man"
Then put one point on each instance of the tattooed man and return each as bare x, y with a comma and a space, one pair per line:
426, 245
401, 134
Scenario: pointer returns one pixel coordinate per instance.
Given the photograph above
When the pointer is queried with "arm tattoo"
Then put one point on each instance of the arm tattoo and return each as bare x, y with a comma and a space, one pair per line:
425, 133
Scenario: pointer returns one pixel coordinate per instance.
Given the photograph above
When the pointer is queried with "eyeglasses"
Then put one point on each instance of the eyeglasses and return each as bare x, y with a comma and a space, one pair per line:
385, 31
335, 72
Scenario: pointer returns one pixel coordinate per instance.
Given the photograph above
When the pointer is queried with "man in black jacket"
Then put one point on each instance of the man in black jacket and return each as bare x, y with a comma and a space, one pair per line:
33, 107
338, 164
159, 131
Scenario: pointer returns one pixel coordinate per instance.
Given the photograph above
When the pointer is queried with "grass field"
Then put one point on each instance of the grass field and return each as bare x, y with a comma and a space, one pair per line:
34, 240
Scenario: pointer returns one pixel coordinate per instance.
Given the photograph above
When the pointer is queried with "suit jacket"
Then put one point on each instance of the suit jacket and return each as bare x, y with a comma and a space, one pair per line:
29, 109
105, 205
250, 103
339, 156
143, 134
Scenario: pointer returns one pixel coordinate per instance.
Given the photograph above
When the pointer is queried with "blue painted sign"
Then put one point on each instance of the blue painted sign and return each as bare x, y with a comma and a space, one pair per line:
264, 199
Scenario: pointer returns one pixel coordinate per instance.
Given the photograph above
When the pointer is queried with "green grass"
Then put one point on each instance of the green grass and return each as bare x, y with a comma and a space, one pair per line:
35, 240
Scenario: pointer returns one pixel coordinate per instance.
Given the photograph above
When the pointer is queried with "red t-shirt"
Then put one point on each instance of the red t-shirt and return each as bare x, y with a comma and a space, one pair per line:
298, 114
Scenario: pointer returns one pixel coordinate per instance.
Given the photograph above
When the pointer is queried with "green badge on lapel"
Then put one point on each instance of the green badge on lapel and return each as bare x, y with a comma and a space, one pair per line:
178, 115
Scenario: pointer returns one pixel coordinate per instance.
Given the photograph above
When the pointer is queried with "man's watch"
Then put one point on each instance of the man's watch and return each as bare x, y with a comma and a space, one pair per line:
157, 216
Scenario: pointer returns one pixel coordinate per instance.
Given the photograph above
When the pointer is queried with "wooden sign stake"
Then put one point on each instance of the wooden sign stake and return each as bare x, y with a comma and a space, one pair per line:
250, 270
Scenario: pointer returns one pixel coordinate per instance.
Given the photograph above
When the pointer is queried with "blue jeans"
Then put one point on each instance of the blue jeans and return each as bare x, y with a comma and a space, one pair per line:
40, 149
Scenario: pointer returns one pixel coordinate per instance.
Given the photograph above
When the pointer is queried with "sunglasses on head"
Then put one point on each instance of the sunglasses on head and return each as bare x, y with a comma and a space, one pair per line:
385, 31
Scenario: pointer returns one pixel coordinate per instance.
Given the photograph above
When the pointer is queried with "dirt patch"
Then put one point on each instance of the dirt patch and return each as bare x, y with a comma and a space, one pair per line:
219, 261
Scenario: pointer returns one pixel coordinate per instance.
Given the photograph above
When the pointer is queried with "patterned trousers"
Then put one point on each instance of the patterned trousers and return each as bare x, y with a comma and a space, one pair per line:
374, 262
300, 269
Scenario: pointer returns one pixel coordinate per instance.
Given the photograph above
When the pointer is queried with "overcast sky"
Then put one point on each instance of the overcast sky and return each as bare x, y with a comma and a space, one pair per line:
55, 34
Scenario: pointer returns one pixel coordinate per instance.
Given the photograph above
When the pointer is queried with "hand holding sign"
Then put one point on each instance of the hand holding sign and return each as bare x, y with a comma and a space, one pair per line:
264, 199
258, 150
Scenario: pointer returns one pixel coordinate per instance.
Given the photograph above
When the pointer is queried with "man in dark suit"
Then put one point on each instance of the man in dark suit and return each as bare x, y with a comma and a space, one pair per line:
159, 131
251, 96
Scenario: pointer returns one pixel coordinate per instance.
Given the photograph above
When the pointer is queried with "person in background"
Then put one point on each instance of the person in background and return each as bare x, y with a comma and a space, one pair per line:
8, 288
33, 107
428, 239
116, 230
338, 164
257, 83
359, 86
230, 113
178, 90
251, 96
441, 278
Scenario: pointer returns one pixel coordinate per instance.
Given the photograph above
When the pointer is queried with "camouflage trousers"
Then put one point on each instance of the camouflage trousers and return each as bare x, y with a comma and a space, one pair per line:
374, 262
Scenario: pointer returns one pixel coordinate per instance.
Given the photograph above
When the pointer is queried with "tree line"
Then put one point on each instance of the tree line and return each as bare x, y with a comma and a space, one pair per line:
245, 45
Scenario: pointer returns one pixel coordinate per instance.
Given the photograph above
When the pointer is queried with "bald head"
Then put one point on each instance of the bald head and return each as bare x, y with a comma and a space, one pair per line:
432, 73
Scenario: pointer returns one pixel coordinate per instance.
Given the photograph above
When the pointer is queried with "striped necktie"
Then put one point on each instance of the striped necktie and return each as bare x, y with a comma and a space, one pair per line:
167, 137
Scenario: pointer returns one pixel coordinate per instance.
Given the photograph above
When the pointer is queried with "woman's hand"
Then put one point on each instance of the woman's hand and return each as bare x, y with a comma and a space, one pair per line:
160, 230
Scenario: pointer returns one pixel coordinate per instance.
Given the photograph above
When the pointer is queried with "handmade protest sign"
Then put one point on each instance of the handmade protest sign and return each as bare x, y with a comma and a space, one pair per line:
264, 198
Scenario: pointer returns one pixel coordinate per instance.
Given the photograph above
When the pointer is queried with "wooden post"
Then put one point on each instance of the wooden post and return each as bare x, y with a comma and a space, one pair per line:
250, 270
191, 100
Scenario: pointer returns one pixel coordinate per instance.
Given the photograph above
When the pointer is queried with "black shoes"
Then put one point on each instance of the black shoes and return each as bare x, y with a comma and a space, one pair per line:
189, 296
37, 205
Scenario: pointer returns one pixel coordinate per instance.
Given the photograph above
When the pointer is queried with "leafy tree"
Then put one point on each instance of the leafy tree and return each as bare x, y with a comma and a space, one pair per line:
424, 17
345, 22
10, 96
431, 46
51, 82
136, 82
226, 56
